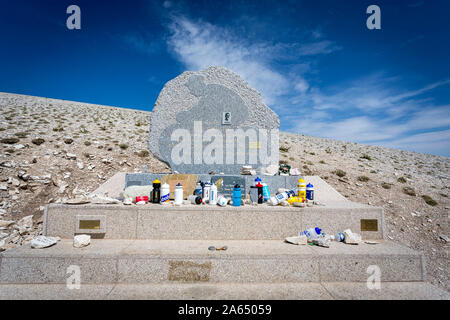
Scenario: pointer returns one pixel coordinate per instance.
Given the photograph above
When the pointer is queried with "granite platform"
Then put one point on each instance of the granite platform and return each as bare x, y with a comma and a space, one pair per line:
250, 222
172, 261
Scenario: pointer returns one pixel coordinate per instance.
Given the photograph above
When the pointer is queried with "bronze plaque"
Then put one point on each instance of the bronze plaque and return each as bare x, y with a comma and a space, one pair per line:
90, 224
369, 225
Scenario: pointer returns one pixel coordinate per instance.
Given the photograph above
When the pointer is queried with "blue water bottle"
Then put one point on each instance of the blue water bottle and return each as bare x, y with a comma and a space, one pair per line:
310, 192
237, 196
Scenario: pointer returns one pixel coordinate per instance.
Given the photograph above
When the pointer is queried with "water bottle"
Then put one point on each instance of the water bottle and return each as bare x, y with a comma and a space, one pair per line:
178, 194
198, 189
266, 193
222, 201
310, 192
206, 191
339, 237
213, 195
194, 199
165, 193
281, 197
301, 188
156, 193
311, 233
260, 193
237, 196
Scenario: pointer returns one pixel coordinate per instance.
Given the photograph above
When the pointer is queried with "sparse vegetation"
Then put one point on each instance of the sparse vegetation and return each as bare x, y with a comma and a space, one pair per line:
363, 178
366, 156
68, 140
38, 141
284, 148
401, 180
9, 140
430, 201
409, 191
386, 185
123, 146
340, 173
143, 153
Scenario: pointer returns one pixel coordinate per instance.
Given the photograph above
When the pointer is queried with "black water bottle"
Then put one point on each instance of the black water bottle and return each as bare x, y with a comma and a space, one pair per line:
156, 193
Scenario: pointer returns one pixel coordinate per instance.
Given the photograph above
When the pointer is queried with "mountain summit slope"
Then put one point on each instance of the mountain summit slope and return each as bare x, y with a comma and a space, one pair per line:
53, 150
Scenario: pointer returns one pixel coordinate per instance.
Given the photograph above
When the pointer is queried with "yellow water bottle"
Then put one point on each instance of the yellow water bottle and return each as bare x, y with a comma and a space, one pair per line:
301, 188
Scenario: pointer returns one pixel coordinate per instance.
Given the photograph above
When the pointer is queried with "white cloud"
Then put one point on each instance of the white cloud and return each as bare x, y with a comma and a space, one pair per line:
321, 47
368, 110
200, 45
302, 85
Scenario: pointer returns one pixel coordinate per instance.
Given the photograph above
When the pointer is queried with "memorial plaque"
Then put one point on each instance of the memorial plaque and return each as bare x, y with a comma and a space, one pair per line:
369, 225
225, 184
89, 224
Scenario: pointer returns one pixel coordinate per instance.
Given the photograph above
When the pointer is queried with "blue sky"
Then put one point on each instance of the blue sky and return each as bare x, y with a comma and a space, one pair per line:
315, 62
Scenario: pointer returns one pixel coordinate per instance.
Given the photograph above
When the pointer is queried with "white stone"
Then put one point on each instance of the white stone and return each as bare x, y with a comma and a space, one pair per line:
19, 146
4, 187
270, 170
41, 242
137, 191
128, 201
351, 238
81, 240
80, 165
77, 201
98, 199
26, 222
6, 223
297, 240
71, 156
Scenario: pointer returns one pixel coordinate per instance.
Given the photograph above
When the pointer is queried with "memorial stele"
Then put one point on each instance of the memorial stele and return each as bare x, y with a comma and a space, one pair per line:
213, 121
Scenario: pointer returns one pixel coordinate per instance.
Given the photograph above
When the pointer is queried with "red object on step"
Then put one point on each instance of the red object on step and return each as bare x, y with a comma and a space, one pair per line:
143, 198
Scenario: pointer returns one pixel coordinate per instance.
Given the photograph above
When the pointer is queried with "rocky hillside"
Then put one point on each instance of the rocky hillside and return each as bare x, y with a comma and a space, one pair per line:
53, 150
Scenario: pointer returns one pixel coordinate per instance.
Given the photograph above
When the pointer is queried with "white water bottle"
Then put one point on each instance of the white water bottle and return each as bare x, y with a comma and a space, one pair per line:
222, 201
178, 194
206, 192
281, 197
213, 195
311, 233
165, 193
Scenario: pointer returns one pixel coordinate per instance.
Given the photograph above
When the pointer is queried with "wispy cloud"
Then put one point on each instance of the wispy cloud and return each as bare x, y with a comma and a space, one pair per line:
199, 45
371, 110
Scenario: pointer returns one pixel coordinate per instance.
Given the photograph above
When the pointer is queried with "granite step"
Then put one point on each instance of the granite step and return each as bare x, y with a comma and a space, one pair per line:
226, 291
179, 261
192, 222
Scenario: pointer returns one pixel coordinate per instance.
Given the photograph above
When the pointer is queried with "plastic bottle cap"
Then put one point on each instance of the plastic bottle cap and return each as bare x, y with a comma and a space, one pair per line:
259, 185
310, 185
258, 179
237, 186
156, 181
318, 230
179, 184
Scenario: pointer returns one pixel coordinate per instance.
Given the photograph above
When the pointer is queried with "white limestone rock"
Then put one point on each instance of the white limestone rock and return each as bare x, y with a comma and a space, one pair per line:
41, 242
81, 240
297, 240
137, 191
98, 199
6, 223
351, 238
270, 170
